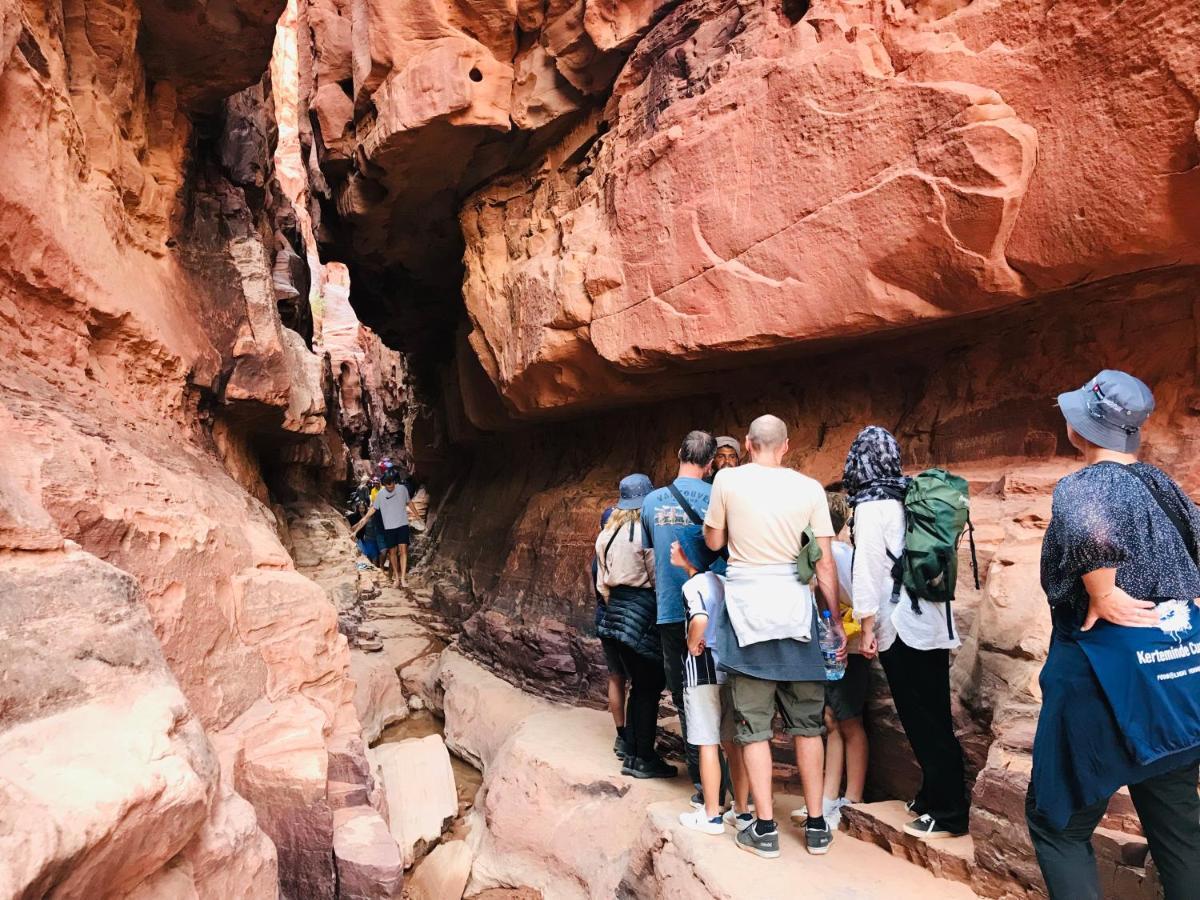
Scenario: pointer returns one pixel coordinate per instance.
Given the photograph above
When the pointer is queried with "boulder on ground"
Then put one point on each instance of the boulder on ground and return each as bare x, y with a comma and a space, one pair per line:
443, 874
368, 862
378, 696
421, 796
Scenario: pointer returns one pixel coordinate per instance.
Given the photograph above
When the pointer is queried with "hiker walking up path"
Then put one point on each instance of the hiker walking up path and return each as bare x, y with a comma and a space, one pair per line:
392, 504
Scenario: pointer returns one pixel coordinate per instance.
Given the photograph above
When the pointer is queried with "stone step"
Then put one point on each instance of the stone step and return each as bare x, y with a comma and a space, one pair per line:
684, 862
883, 823
1125, 871
554, 813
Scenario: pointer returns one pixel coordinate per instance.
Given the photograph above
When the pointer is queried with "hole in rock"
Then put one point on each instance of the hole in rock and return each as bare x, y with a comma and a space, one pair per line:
475, 75
795, 10
32, 51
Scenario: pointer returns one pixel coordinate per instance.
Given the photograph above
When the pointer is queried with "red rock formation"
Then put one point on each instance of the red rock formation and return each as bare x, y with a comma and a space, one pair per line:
176, 700
930, 215
764, 184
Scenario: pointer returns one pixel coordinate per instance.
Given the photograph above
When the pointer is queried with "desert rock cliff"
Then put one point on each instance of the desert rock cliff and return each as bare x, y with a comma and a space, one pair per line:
162, 656
928, 215
249, 246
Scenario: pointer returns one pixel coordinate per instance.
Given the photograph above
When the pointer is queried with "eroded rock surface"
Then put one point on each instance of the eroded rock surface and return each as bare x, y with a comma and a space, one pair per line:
733, 176
183, 687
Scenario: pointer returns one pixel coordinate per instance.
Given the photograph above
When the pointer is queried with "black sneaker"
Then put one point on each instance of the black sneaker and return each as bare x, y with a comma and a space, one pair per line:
648, 768
619, 748
698, 800
915, 807
818, 839
764, 845
927, 828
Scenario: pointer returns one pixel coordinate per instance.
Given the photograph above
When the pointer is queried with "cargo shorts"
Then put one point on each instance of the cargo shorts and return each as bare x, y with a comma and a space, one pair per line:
801, 705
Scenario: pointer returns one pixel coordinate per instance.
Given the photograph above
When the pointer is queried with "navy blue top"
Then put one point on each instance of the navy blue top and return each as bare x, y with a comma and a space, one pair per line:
779, 660
1103, 517
665, 521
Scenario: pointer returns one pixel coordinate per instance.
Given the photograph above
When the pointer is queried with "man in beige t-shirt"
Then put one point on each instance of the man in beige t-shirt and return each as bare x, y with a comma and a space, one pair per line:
772, 505
767, 640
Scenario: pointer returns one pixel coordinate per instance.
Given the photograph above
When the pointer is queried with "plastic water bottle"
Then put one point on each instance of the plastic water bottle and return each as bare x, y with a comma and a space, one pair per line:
834, 667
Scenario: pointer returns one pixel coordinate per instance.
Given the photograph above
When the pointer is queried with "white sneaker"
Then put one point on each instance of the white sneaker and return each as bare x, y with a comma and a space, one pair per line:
739, 821
698, 821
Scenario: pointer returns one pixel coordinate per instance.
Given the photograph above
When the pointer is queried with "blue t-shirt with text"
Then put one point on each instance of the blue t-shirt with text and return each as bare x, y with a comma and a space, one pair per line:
664, 522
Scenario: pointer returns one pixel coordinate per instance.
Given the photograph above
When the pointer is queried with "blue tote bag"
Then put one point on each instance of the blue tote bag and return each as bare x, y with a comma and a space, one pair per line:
1151, 679
1151, 675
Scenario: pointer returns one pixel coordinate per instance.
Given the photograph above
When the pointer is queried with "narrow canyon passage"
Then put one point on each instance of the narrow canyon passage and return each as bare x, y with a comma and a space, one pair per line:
252, 249
549, 815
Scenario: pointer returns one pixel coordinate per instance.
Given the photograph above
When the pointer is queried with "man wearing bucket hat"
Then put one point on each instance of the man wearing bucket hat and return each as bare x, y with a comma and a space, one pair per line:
625, 579
1121, 684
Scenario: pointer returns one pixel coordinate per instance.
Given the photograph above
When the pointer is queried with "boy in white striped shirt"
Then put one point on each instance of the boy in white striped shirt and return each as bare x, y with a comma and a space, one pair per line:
708, 710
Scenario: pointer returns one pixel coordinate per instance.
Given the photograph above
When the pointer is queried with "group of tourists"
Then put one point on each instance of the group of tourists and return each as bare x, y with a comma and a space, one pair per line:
384, 540
751, 591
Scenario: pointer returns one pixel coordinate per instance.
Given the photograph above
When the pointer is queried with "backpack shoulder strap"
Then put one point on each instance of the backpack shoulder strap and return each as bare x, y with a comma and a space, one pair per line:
1185, 532
608, 546
687, 507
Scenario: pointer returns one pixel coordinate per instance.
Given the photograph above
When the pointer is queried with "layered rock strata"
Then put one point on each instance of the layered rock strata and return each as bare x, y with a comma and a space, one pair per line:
743, 176
184, 689
932, 216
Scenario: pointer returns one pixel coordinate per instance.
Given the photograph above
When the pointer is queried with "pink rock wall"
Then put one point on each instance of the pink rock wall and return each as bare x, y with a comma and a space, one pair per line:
177, 696
931, 215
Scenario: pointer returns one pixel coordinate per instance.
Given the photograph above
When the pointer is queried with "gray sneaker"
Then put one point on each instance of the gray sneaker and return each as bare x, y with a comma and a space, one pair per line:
764, 845
818, 839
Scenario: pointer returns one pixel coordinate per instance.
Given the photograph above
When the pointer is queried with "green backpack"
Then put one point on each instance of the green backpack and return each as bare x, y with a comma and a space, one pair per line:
937, 511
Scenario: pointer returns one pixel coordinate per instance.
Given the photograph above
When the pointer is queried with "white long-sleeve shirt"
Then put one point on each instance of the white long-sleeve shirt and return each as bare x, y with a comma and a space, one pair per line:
878, 529
621, 560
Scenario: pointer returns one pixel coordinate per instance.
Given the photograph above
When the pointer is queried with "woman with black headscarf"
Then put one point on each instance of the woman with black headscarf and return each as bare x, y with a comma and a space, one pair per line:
913, 640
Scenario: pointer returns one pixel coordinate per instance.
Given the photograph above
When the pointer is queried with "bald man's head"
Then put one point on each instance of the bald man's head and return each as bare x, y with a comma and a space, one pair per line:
767, 433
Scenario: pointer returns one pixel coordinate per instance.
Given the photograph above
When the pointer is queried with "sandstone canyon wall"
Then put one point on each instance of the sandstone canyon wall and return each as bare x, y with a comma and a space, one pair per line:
681, 213
175, 708
590, 225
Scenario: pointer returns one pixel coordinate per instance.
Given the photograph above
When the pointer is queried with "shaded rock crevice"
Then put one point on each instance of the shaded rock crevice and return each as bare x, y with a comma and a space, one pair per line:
157, 401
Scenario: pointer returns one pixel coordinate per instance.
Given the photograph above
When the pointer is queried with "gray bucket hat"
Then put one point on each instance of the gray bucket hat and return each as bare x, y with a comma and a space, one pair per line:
634, 489
1109, 410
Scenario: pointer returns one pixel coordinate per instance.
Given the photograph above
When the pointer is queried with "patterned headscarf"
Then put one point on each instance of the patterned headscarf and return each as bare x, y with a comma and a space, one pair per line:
873, 467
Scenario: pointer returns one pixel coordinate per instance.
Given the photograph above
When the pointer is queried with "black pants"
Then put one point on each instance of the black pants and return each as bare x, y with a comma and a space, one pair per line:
1170, 812
646, 681
920, 685
674, 645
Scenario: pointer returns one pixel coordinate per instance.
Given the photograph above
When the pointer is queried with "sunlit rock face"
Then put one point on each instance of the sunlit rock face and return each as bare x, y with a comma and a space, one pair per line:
928, 215
176, 673
755, 183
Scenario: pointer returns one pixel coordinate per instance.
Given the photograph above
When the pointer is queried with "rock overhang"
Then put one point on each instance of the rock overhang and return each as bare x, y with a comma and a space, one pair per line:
753, 184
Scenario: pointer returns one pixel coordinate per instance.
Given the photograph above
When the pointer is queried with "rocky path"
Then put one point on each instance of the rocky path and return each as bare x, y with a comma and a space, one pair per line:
493, 793
554, 814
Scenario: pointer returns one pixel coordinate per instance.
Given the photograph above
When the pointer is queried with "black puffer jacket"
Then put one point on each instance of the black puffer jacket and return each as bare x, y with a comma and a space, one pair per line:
631, 618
